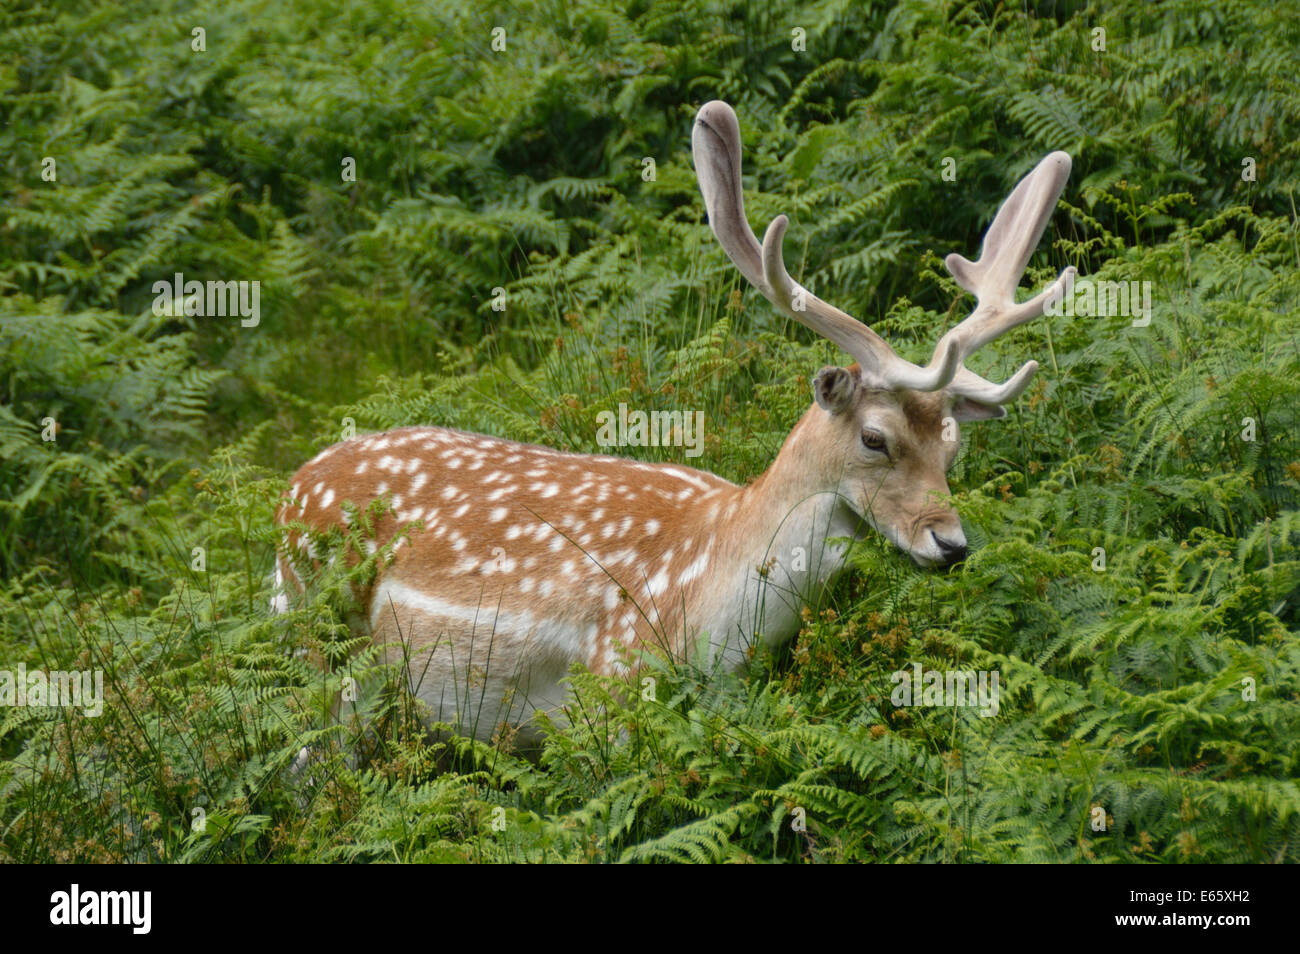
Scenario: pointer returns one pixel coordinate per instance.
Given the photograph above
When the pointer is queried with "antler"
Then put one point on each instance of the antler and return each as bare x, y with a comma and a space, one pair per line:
1008, 243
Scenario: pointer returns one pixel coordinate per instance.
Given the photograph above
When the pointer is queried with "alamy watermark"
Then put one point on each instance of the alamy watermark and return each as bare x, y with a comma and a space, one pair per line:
1087, 297
652, 429
951, 688
37, 688
130, 908
209, 299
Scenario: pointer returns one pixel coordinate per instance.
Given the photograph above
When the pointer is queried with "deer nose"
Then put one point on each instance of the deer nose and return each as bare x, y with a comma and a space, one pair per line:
952, 552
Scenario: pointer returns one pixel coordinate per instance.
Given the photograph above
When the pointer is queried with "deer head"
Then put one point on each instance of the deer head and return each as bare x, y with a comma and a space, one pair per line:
882, 433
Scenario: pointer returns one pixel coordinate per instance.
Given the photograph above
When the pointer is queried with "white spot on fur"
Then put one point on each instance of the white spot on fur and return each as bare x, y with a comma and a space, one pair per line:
280, 601
694, 570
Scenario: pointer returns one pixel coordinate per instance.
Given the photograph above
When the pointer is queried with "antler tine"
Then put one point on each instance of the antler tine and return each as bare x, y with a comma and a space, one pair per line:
1004, 253
715, 145
872, 352
967, 383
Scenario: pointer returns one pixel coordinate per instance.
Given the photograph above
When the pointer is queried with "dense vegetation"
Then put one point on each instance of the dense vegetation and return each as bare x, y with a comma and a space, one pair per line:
1174, 447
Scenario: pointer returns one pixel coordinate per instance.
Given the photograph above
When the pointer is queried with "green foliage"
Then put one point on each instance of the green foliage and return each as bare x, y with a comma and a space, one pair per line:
1135, 522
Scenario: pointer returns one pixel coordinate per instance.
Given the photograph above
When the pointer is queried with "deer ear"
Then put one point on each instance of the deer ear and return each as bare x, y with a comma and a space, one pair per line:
964, 409
834, 389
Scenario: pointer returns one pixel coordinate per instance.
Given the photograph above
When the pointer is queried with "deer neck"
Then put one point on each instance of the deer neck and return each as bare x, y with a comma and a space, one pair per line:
782, 525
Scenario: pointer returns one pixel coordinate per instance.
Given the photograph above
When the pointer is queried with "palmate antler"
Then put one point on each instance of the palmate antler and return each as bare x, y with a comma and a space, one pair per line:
1007, 245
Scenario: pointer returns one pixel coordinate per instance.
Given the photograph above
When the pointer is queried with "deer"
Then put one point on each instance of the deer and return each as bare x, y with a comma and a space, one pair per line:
514, 561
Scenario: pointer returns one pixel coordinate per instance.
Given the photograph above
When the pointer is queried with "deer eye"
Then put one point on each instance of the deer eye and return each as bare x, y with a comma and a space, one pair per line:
874, 441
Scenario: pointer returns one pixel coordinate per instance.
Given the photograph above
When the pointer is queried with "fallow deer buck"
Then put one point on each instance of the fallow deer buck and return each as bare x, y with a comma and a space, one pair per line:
523, 560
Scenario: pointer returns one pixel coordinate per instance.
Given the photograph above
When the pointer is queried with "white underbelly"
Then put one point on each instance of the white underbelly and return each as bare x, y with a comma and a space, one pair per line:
477, 667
